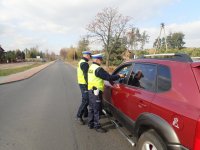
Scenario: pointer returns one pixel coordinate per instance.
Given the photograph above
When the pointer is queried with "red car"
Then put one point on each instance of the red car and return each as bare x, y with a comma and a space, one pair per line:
158, 101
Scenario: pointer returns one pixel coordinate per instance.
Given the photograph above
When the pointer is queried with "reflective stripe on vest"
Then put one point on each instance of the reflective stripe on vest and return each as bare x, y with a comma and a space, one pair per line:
80, 75
93, 80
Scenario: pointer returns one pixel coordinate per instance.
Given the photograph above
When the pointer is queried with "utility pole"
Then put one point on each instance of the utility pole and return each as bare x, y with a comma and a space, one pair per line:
158, 44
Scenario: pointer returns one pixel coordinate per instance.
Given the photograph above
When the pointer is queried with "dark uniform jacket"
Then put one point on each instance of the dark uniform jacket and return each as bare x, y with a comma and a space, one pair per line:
101, 73
84, 67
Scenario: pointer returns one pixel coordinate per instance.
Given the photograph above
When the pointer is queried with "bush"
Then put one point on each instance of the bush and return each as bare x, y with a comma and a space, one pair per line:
196, 52
140, 53
71, 54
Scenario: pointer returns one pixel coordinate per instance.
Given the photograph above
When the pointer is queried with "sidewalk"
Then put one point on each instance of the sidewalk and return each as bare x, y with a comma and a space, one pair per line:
23, 75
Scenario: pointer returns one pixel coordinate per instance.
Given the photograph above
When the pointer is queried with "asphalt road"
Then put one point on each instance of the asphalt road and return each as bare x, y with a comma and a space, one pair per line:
39, 114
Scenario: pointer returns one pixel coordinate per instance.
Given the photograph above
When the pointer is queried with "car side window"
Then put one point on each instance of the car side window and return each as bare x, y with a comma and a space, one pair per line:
143, 76
125, 69
164, 79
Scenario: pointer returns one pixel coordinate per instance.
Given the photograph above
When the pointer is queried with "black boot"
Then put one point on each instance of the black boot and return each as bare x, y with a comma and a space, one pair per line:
101, 130
80, 121
85, 115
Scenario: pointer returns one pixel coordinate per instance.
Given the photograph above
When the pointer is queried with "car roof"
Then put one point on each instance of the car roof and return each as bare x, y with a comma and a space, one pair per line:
158, 61
164, 58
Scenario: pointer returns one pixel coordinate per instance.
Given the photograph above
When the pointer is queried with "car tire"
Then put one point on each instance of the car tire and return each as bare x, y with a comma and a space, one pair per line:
150, 140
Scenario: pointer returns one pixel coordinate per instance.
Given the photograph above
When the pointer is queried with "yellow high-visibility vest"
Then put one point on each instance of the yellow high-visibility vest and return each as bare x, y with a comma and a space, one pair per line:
93, 80
80, 75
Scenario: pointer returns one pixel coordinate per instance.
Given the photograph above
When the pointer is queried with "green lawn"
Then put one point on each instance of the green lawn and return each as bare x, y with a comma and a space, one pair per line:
5, 72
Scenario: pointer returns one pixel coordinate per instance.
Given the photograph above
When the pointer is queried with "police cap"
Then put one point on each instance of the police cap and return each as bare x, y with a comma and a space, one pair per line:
97, 56
87, 52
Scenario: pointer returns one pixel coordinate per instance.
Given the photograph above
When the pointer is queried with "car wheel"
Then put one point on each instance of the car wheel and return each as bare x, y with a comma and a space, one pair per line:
150, 140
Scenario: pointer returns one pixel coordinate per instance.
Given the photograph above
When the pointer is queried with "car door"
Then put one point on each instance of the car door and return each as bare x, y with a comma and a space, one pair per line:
140, 92
114, 91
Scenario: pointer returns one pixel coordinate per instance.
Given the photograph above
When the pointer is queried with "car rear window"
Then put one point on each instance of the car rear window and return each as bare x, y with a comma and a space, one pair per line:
164, 79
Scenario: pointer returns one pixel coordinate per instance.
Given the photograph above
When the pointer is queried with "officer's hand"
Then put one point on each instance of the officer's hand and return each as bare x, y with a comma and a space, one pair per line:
122, 75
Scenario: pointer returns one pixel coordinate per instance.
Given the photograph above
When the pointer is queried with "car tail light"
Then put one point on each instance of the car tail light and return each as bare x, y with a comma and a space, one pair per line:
197, 137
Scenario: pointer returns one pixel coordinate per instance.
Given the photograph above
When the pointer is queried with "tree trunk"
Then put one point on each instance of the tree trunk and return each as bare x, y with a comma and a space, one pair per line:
107, 61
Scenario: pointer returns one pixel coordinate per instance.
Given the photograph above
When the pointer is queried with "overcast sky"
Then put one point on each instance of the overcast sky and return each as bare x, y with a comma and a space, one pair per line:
56, 24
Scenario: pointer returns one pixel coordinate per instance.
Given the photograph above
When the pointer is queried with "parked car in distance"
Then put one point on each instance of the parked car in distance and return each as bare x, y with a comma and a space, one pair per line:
158, 101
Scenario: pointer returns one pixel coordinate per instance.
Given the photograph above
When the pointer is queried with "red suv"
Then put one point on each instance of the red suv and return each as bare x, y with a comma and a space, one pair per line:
158, 101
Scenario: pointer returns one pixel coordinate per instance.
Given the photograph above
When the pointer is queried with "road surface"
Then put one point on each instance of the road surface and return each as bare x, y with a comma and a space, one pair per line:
39, 114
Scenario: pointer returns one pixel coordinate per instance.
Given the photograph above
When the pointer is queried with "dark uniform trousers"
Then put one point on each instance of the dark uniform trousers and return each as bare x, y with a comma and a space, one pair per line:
85, 101
94, 109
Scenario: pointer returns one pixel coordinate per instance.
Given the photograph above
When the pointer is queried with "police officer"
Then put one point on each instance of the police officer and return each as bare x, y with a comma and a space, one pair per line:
82, 71
96, 77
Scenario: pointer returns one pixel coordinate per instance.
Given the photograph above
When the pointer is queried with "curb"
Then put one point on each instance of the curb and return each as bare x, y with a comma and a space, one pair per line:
29, 76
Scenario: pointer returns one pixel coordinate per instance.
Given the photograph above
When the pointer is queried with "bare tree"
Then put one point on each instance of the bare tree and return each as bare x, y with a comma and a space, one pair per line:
83, 45
52, 56
63, 53
136, 39
144, 39
109, 26
132, 38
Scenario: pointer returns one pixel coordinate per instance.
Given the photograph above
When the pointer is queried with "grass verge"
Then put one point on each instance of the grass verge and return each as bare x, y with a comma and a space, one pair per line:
6, 72
72, 62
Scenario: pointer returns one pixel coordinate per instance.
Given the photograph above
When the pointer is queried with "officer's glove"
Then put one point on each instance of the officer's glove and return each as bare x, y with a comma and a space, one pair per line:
122, 75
